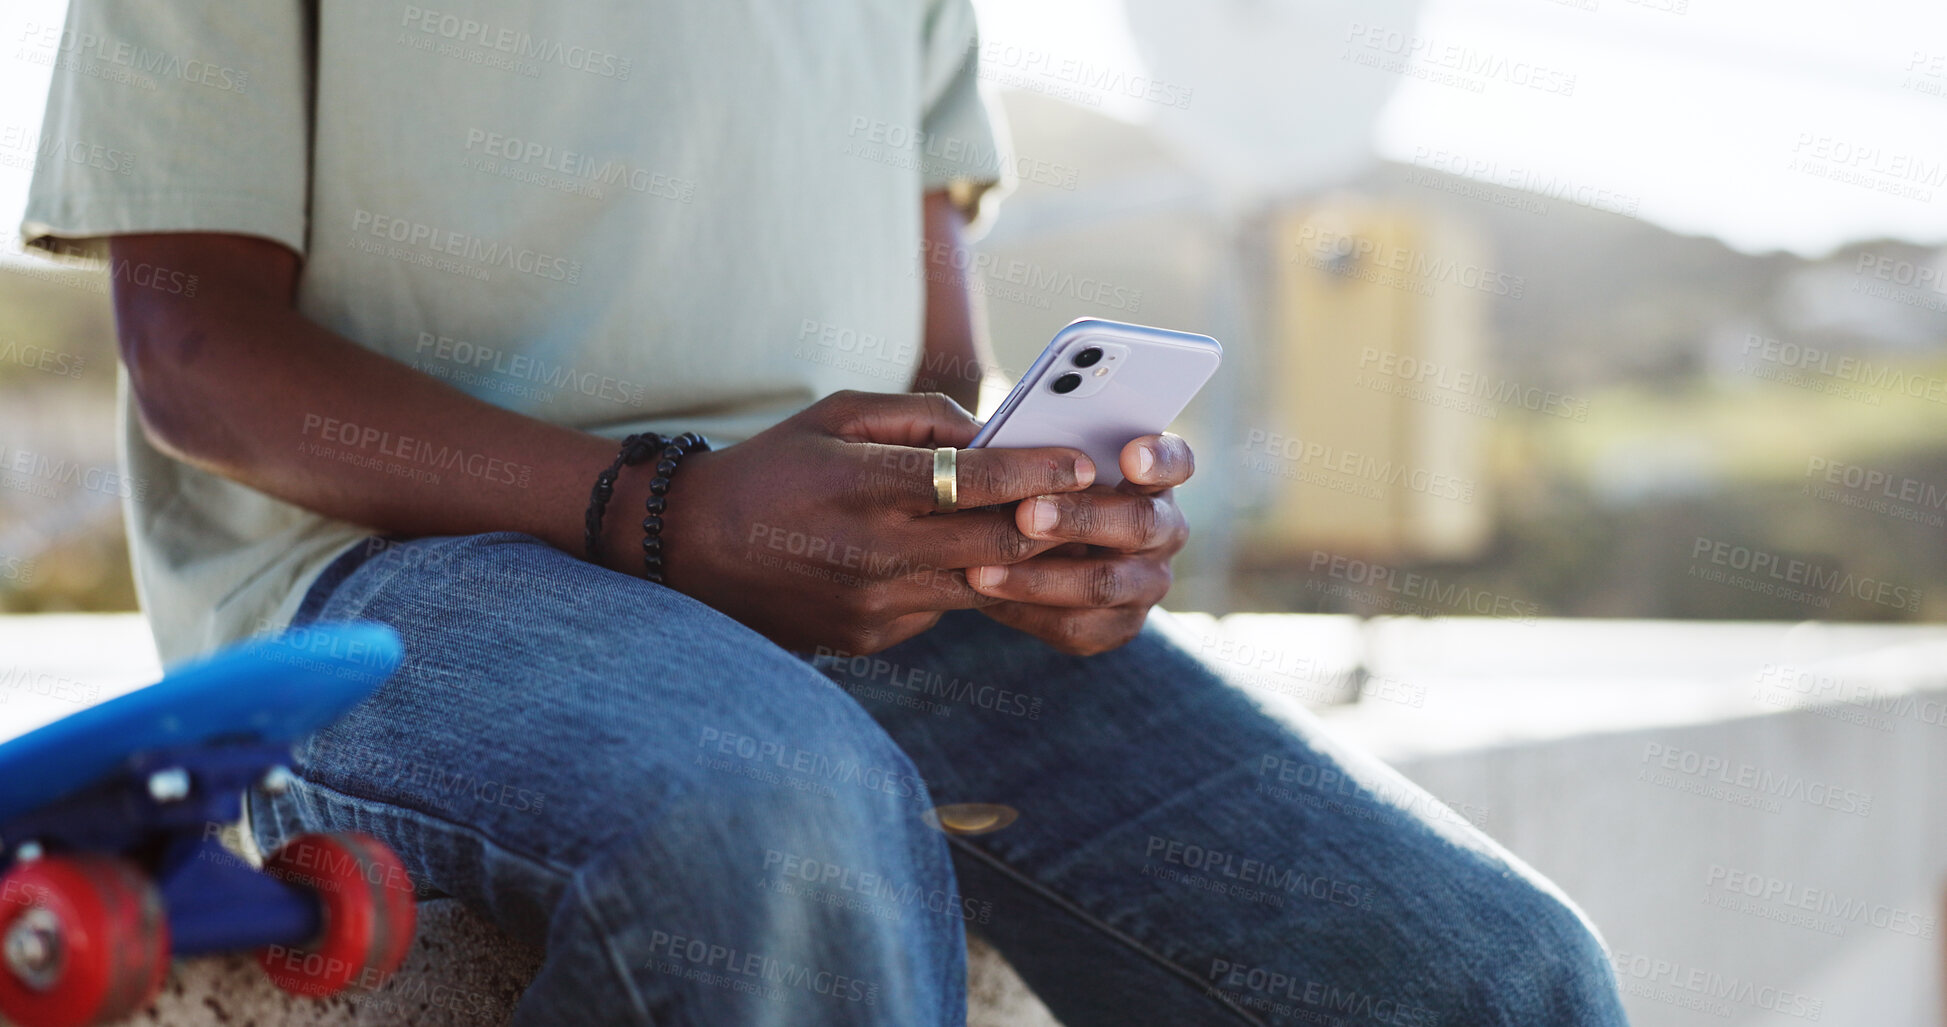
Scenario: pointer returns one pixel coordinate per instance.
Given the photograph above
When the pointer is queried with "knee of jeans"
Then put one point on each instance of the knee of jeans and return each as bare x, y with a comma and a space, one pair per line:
842, 844
1537, 959
804, 771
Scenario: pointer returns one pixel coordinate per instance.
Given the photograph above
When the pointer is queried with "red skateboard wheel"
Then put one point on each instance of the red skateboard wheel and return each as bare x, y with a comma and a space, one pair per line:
368, 908
83, 940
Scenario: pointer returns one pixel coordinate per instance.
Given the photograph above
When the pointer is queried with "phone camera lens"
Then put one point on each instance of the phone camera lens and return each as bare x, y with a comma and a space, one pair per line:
1068, 382
1088, 357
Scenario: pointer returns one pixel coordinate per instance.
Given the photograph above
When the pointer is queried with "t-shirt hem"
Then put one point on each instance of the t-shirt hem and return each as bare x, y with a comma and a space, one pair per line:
86, 216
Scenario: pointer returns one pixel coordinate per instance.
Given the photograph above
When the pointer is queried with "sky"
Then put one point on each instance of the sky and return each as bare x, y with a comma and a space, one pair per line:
1770, 124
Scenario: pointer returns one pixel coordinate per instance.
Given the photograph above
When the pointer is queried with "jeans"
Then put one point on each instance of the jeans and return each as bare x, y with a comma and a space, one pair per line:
701, 827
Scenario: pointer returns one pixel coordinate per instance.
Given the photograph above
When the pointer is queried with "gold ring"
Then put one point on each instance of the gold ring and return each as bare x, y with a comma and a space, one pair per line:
946, 479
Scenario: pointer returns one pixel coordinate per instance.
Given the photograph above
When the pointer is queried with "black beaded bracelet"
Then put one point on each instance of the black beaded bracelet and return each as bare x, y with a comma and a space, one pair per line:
652, 522
635, 449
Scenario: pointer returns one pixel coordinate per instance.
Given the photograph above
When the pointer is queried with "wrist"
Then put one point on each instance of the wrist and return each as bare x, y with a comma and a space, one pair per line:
622, 527
690, 519
634, 535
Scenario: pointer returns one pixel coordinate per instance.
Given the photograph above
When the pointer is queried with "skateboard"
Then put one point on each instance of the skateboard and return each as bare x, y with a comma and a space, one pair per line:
111, 856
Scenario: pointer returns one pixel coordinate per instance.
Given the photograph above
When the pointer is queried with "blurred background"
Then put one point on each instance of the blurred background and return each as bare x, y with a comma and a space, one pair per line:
1527, 296
1533, 310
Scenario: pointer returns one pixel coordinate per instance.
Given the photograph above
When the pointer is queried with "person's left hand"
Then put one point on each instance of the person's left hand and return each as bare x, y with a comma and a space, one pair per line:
1092, 594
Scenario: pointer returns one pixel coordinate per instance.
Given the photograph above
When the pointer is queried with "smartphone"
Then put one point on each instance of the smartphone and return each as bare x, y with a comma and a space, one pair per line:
1100, 384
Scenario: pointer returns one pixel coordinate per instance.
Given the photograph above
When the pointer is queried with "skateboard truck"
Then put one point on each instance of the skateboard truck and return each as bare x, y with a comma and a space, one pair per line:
104, 881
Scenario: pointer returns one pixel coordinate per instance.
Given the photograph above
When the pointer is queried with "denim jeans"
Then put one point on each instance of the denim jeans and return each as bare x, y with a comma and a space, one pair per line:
703, 828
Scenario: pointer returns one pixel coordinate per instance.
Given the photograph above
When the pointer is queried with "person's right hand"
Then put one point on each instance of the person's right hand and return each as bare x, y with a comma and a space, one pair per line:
821, 530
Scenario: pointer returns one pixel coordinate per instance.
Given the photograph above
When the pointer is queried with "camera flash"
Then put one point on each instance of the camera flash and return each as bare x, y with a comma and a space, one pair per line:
1100, 371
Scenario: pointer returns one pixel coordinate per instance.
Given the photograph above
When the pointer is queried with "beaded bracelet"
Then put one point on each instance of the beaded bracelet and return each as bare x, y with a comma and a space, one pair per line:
635, 449
652, 522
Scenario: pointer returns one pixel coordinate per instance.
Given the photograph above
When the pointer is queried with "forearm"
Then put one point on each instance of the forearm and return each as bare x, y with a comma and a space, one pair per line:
956, 354
236, 382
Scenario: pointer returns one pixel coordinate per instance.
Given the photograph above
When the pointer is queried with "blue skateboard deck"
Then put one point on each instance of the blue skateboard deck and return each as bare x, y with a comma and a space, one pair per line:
105, 817
268, 691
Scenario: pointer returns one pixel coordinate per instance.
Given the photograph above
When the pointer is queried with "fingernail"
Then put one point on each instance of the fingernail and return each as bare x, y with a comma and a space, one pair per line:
986, 577
1042, 518
1145, 459
1084, 472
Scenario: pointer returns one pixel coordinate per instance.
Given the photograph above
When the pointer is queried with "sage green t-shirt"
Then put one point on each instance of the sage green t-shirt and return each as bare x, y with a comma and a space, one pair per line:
615, 216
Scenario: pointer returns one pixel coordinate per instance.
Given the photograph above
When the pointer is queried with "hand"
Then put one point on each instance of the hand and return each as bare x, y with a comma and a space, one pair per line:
821, 530
1093, 592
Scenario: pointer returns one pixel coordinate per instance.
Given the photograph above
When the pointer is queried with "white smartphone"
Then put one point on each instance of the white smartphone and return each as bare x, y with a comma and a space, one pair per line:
1100, 384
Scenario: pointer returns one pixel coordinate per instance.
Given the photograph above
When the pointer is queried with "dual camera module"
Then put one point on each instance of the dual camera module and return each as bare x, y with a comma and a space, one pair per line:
1071, 381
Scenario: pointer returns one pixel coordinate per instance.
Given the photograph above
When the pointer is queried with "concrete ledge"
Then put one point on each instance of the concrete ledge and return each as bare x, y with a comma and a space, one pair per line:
461, 973
464, 973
